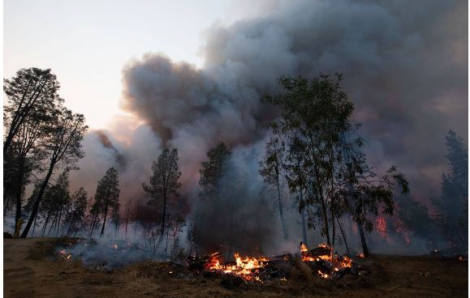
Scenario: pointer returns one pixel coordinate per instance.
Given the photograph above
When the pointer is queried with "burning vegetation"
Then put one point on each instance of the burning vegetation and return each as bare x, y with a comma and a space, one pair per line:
320, 260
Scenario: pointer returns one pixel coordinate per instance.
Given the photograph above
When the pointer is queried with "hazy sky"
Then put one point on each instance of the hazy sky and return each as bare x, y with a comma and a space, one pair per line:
86, 43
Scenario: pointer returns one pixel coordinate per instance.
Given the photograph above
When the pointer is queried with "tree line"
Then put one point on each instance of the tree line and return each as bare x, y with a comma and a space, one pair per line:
314, 152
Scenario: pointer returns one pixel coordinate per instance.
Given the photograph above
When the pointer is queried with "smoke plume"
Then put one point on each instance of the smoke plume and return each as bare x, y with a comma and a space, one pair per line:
405, 68
404, 64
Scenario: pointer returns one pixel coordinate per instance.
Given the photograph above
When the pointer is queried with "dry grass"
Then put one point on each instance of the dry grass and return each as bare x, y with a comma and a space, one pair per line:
46, 248
390, 276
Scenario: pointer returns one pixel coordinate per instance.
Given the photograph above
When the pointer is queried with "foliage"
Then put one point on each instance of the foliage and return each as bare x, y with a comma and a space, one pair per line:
163, 183
76, 214
107, 195
328, 171
453, 205
62, 145
213, 168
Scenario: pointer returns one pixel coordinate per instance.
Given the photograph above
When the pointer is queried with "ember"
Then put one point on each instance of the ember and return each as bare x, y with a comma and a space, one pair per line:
323, 259
261, 269
247, 268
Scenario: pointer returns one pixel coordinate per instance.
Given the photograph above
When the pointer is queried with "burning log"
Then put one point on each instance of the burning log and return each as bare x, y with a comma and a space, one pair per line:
322, 261
319, 261
201, 263
323, 251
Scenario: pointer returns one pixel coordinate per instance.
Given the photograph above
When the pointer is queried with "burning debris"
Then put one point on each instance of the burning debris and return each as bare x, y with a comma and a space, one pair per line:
319, 260
322, 260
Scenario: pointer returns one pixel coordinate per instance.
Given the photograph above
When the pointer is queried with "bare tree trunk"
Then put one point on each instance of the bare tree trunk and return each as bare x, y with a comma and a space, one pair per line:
333, 229
19, 193
304, 227
127, 215
116, 226
344, 236
34, 226
164, 212
104, 222
365, 249
93, 223
325, 223
281, 212
136, 216
70, 229
58, 224
45, 223
38, 200
53, 224
324, 210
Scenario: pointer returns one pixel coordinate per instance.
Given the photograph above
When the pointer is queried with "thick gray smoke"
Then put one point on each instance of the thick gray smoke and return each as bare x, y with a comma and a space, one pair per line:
405, 68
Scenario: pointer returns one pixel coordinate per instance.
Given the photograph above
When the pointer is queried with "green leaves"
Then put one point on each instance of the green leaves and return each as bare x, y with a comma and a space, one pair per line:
319, 161
212, 169
165, 175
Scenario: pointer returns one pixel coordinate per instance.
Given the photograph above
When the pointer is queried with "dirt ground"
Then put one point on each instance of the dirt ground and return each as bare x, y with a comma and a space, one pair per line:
27, 273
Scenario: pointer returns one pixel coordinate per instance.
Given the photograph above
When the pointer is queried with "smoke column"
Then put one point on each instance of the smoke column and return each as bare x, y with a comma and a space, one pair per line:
404, 64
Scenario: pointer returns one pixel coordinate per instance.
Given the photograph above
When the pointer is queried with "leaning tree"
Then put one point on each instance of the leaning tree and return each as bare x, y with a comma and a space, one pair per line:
62, 146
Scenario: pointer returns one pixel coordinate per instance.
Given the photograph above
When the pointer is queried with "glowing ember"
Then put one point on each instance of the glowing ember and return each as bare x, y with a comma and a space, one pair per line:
324, 253
324, 275
115, 246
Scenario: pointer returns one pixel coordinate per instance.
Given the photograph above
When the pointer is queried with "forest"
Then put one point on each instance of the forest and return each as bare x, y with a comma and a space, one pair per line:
316, 182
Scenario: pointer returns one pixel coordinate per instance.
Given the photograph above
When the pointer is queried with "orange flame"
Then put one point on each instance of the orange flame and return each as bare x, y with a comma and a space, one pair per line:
243, 267
337, 261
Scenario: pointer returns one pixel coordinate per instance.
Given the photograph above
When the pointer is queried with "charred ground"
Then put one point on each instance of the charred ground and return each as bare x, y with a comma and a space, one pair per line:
31, 270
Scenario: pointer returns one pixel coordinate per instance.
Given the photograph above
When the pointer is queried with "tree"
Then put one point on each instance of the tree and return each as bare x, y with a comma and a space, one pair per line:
32, 90
211, 175
453, 205
295, 175
314, 120
315, 114
270, 169
31, 99
414, 217
74, 217
25, 155
62, 145
212, 169
107, 195
56, 201
164, 183
362, 193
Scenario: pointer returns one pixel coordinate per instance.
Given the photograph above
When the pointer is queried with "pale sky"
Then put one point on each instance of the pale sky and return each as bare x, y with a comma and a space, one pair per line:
86, 43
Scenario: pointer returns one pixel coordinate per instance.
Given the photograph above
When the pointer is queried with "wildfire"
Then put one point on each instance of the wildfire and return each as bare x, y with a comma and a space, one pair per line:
243, 266
324, 253
252, 268
65, 254
324, 275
